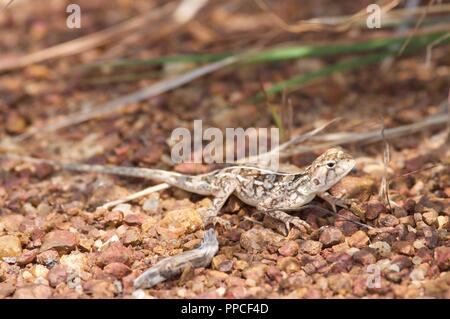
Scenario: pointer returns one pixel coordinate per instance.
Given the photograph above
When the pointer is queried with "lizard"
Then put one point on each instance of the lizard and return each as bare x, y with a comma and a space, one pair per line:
271, 192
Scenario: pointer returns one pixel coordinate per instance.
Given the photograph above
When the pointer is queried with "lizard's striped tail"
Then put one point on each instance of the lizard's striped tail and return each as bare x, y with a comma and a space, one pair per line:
193, 184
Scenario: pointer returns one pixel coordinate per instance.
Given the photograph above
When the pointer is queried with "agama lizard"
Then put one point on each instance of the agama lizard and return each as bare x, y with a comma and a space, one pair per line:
271, 192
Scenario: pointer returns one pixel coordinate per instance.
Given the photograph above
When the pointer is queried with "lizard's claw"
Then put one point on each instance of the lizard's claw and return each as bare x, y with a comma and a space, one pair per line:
222, 222
299, 223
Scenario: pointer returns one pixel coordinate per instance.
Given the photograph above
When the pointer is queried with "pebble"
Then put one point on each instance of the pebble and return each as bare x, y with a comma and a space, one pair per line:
27, 257
442, 222
403, 247
151, 205
113, 218
358, 239
255, 272
100, 289
48, 257
365, 256
6, 289
131, 237
288, 264
388, 220
11, 223
289, 249
383, 248
57, 275
135, 219
62, 241
373, 209
33, 292
340, 283
311, 247
75, 263
115, 252
417, 274
180, 222
117, 270
331, 236
442, 257
257, 239
360, 188
10, 246
430, 217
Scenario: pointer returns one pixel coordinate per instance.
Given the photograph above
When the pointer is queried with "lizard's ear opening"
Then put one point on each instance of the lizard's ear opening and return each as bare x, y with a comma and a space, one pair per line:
316, 181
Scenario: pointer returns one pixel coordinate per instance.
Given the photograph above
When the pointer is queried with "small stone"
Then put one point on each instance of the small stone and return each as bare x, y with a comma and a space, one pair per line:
148, 224
57, 275
179, 222
6, 289
10, 246
403, 247
358, 239
288, 264
360, 188
135, 219
340, 283
85, 244
331, 236
117, 270
273, 273
258, 239
62, 241
388, 220
100, 289
410, 205
151, 205
131, 237
255, 272
417, 274
373, 209
407, 220
311, 247
442, 257
33, 292
43, 170
365, 257
48, 258
15, 123
382, 247
289, 249
27, 257
113, 218
442, 222
222, 263
75, 263
11, 223
115, 252
430, 217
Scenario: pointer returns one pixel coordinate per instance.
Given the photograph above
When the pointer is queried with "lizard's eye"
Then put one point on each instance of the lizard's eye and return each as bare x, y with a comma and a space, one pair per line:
331, 164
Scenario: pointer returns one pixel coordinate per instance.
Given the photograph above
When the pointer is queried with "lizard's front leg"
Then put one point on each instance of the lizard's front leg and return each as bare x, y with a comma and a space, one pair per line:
221, 193
288, 220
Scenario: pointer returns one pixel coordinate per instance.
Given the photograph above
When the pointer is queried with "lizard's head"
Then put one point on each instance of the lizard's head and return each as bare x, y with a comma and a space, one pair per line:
329, 168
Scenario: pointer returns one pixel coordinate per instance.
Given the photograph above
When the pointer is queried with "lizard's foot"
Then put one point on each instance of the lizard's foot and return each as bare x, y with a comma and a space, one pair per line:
222, 222
289, 220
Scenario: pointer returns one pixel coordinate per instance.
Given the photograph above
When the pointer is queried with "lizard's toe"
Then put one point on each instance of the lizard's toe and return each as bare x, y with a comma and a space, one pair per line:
301, 224
222, 222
